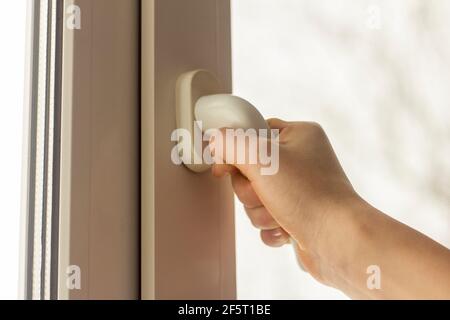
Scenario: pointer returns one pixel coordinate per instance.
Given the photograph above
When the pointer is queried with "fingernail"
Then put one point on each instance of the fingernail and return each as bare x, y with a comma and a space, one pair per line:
277, 233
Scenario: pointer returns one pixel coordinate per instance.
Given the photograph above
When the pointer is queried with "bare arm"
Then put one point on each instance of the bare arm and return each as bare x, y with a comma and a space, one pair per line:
340, 236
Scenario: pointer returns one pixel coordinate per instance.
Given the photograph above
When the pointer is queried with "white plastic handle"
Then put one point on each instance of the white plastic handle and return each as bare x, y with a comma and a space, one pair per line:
228, 111
199, 97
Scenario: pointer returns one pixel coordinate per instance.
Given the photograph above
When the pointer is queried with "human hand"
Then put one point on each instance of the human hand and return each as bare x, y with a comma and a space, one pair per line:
301, 199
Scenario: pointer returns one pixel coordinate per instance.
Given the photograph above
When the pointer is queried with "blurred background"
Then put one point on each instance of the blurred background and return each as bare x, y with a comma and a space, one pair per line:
376, 75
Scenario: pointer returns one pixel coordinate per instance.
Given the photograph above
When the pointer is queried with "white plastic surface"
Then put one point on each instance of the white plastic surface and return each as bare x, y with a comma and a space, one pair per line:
199, 97
228, 111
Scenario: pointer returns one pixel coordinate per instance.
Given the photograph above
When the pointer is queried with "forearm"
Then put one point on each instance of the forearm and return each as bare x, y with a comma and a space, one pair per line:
410, 264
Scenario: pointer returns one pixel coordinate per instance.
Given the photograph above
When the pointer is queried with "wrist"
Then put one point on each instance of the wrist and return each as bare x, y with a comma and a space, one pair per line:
342, 237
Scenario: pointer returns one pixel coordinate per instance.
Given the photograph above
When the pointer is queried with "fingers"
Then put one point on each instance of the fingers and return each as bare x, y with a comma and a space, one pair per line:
261, 219
238, 148
278, 124
271, 232
228, 163
275, 238
221, 170
245, 192
258, 214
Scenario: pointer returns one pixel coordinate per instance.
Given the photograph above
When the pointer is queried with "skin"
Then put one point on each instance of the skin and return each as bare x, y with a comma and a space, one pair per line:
338, 235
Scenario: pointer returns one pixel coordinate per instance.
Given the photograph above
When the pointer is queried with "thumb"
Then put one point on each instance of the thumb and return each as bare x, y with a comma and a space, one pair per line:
279, 124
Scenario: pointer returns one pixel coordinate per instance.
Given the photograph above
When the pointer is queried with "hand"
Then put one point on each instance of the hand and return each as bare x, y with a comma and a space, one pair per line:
300, 199
339, 235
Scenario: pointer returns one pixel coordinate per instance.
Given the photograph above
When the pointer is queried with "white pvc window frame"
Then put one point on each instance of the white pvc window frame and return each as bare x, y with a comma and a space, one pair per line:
43, 108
